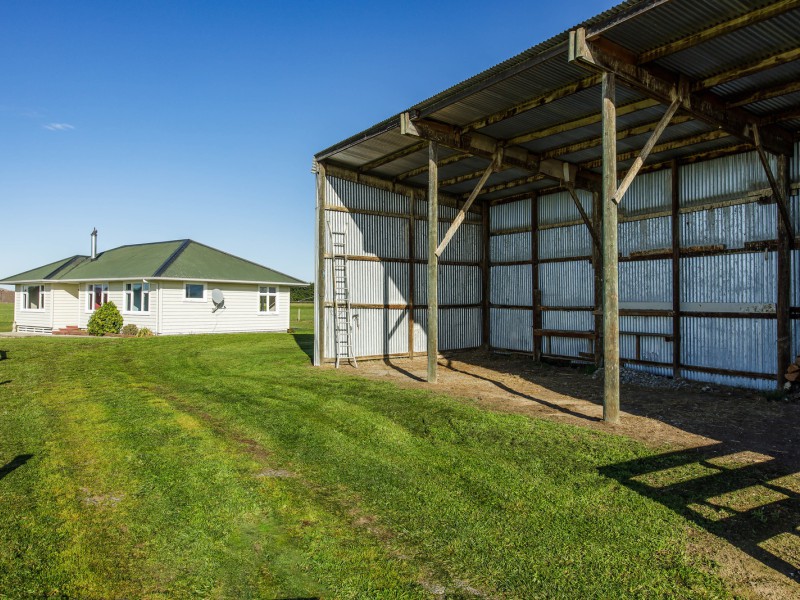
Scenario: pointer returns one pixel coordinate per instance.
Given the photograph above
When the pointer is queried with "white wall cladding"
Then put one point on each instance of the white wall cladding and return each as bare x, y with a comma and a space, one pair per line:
457, 284
729, 225
736, 344
445, 212
512, 215
645, 234
560, 207
340, 192
722, 178
645, 281
375, 332
567, 283
511, 247
748, 278
465, 246
372, 282
458, 328
370, 235
511, 285
649, 193
565, 242
511, 329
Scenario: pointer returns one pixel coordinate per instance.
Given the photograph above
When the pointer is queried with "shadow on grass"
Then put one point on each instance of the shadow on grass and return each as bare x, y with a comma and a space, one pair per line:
5, 382
750, 500
3, 354
305, 341
14, 464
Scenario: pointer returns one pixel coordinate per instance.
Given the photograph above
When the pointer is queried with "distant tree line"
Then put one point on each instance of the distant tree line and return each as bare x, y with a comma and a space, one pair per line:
302, 294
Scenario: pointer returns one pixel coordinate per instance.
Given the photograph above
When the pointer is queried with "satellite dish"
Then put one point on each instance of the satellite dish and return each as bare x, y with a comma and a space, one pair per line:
218, 298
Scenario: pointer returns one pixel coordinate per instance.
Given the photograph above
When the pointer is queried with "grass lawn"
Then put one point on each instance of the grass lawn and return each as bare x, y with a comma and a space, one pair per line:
6, 315
227, 467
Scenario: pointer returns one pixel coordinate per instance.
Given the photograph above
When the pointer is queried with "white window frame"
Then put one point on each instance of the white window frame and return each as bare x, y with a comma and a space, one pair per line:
26, 298
266, 295
90, 291
127, 295
185, 291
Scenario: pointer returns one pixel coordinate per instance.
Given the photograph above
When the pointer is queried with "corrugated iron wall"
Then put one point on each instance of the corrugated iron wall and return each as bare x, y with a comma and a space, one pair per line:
381, 268
727, 267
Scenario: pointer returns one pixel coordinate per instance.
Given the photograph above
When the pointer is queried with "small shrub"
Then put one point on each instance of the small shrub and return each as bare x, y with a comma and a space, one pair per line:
130, 330
105, 319
144, 332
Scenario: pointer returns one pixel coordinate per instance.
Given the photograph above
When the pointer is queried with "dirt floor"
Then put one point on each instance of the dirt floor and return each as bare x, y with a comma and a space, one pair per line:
746, 503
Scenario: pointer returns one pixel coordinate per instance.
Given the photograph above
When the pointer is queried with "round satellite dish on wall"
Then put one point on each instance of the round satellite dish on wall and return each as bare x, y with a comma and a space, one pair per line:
218, 298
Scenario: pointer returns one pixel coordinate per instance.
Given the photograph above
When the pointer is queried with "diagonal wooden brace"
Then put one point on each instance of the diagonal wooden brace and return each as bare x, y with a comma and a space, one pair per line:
648, 147
780, 195
595, 238
463, 212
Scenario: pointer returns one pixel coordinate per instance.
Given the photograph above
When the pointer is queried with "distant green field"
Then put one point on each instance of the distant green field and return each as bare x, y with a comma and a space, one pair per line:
302, 316
6, 316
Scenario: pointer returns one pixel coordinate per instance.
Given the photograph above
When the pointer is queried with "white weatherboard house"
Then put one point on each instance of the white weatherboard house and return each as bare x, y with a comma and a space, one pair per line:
164, 286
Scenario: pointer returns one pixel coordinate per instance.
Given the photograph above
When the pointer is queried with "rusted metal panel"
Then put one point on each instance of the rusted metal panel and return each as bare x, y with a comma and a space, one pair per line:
645, 281
565, 242
511, 247
567, 284
370, 235
511, 285
457, 285
357, 196
511, 329
644, 234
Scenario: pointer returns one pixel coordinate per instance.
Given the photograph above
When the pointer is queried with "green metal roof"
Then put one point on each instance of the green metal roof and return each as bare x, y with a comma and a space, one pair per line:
178, 259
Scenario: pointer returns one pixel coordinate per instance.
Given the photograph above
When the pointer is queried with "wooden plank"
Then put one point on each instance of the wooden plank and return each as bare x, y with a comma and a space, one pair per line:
585, 335
433, 268
645, 152
784, 279
451, 231
412, 212
584, 216
443, 162
319, 289
675, 226
536, 290
396, 155
610, 254
738, 72
485, 275
779, 190
597, 269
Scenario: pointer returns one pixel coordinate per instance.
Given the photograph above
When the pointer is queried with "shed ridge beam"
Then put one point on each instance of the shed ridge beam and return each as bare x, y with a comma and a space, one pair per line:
605, 56
720, 29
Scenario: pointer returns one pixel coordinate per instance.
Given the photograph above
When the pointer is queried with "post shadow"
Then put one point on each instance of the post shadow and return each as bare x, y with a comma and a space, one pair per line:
16, 463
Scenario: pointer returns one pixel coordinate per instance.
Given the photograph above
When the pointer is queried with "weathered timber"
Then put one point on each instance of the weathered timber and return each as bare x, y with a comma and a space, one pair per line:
396, 155
584, 217
319, 259
675, 227
784, 279
597, 272
780, 190
605, 56
485, 274
412, 213
536, 291
610, 253
765, 93
433, 268
443, 162
690, 140
781, 58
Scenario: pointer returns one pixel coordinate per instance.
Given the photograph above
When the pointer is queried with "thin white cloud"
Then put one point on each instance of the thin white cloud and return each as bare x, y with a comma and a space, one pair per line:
58, 126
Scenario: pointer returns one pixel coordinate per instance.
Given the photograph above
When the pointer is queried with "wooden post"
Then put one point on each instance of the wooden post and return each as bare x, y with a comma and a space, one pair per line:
610, 256
412, 202
536, 298
675, 225
485, 270
319, 289
597, 266
433, 261
784, 260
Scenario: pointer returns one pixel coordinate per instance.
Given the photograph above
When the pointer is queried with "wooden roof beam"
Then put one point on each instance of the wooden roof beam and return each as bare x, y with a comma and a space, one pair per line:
397, 154
762, 94
484, 146
603, 55
443, 162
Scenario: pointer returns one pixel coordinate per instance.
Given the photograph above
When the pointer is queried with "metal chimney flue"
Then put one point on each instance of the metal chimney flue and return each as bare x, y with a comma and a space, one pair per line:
94, 243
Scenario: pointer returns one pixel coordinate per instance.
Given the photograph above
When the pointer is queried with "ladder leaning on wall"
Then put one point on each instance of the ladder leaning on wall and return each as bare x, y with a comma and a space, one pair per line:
342, 317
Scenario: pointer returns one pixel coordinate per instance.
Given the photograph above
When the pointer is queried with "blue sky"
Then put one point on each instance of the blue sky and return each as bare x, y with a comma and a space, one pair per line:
164, 120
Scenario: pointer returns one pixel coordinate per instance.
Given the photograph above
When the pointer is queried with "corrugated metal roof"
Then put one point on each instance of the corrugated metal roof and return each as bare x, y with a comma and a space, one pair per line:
184, 259
640, 26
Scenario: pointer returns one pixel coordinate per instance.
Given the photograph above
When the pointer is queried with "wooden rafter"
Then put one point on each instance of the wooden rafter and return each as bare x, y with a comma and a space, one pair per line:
745, 70
586, 220
777, 192
664, 147
605, 56
402, 153
745, 20
764, 94
443, 162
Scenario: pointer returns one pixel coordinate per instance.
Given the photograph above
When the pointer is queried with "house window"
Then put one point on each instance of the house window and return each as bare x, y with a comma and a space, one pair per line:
194, 291
33, 297
96, 295
137, 297
267, 299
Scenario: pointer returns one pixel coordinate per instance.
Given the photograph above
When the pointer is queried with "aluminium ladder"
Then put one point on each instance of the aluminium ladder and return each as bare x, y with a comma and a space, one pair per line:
342, 317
